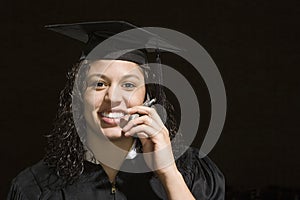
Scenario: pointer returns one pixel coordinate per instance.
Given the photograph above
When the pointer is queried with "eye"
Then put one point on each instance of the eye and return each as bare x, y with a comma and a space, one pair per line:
100, 85
128, 85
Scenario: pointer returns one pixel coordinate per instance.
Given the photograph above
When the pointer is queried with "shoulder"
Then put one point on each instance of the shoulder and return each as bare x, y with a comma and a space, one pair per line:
192, 158
30, 183
202, 175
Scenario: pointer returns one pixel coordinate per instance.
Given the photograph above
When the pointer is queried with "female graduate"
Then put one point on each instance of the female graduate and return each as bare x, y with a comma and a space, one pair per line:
108, 141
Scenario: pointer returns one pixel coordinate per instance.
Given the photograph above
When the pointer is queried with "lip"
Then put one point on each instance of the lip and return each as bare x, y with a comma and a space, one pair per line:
111, 121
113, 110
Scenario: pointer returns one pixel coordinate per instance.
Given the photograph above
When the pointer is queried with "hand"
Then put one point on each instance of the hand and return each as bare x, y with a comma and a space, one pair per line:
154, 137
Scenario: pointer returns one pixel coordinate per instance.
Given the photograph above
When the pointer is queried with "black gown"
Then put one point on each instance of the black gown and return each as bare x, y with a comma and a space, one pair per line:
203, 178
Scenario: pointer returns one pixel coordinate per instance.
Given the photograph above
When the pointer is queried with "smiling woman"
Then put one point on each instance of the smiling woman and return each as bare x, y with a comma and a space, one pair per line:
113, 87
98, 150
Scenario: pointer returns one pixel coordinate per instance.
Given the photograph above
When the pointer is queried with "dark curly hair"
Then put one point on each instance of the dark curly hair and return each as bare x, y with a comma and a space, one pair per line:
65, 151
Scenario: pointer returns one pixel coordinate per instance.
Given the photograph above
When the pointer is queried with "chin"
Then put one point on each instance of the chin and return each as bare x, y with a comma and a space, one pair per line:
113, 133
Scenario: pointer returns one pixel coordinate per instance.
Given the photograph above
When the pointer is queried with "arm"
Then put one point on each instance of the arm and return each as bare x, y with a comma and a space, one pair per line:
157, 150
175, 185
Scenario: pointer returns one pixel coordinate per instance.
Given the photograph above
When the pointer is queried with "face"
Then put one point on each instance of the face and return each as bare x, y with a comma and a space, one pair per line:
112, 87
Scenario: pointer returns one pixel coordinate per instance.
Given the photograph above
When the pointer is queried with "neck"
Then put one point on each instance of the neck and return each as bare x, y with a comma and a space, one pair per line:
109, 153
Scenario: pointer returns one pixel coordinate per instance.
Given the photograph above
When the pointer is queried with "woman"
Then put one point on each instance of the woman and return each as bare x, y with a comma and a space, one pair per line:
106, 144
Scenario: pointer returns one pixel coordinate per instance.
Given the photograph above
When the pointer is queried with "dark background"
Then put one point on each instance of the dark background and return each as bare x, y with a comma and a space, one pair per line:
255, 45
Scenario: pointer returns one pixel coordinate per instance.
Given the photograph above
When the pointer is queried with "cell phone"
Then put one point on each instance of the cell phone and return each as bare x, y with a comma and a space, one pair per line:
147, 103
123, 122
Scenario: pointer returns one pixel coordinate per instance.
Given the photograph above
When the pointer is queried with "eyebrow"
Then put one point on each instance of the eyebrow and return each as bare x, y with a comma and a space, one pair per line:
106, 78
130, 76
98, 75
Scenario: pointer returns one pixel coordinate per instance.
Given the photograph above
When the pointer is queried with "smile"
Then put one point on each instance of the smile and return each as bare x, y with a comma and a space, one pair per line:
112, 115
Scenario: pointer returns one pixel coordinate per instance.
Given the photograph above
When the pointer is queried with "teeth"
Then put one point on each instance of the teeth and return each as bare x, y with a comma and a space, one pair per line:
112, 114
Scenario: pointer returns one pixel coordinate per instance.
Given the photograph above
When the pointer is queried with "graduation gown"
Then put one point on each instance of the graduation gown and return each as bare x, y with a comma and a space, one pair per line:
205, 181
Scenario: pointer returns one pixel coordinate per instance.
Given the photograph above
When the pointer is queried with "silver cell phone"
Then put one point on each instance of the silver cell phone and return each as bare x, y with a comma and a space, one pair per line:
123, 122
147, 103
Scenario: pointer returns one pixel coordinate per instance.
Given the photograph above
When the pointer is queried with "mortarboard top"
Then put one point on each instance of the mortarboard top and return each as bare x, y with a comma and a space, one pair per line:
93, 33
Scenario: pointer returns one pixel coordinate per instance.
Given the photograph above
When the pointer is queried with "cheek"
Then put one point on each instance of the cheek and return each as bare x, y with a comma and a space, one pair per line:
92, 100
137, 98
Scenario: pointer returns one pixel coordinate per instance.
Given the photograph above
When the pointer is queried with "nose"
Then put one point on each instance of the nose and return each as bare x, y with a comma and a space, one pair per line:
113, 94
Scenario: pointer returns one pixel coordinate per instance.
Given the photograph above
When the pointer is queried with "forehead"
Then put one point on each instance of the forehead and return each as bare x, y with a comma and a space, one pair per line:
114, 68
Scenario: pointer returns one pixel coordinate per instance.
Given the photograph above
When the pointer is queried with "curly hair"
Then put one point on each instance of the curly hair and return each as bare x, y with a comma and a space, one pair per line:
65, 151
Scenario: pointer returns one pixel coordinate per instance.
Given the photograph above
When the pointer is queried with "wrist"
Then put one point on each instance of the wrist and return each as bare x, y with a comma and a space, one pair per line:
168, 172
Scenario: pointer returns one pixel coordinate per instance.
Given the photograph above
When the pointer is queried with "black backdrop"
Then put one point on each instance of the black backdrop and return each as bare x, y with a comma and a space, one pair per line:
254, 43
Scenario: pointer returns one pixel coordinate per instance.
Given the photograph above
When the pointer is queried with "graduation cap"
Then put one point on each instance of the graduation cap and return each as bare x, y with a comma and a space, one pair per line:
95, 33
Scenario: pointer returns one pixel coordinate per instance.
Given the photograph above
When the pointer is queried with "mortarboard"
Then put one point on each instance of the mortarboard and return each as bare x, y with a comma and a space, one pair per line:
94, 33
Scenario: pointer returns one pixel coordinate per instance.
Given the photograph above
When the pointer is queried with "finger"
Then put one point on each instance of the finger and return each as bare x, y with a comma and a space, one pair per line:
142, 135
145, 119
141, 110
136, 129
151, 132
